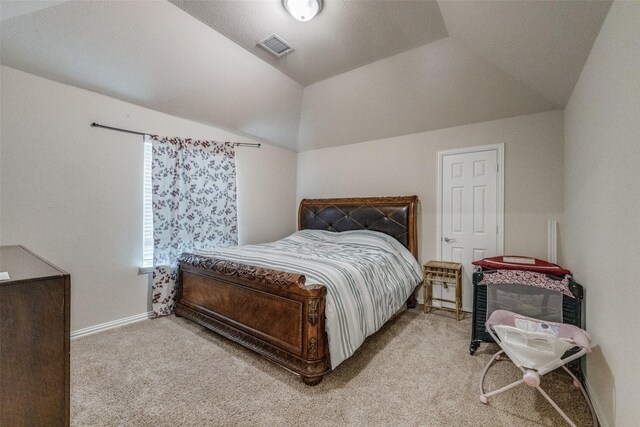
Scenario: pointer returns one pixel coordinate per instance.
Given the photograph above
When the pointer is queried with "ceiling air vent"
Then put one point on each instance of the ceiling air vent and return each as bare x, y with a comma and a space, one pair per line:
275, 45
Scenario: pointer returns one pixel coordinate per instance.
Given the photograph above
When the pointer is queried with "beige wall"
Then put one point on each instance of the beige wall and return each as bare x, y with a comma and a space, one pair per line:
602, 201
408, 165
73, 193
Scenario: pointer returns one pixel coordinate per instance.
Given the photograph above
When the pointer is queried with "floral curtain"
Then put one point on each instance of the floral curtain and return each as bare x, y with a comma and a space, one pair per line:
194, 206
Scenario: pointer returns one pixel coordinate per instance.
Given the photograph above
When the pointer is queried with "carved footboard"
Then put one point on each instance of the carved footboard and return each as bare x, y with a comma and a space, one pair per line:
268, 311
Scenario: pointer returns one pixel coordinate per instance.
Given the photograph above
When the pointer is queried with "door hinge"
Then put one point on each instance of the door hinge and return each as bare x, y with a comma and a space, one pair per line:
497, 230
498, 168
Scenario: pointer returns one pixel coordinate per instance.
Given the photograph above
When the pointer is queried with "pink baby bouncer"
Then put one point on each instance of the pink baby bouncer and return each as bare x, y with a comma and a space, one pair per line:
536, 348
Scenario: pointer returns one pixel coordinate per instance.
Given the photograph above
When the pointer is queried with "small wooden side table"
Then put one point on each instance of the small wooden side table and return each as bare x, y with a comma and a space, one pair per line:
444, 273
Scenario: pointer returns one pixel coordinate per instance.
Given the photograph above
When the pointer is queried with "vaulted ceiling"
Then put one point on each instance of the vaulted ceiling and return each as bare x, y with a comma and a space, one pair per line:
361, 70
344, 36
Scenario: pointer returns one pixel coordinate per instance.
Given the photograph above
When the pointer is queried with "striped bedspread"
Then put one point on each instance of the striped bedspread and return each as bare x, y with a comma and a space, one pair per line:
368, 276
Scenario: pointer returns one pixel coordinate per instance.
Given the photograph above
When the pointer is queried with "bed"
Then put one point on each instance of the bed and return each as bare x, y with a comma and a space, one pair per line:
274, 311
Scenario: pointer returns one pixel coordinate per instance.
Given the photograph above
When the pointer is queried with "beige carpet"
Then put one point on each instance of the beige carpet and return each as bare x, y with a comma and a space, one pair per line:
415, 371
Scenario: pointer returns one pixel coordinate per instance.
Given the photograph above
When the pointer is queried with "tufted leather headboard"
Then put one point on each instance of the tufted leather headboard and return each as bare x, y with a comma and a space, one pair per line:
395, 216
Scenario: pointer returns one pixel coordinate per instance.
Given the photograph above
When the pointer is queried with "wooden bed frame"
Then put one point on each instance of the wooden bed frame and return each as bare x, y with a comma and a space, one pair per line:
275, 313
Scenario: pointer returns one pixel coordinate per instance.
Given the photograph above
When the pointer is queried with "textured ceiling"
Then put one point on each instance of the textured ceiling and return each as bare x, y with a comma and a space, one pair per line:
345, 34
543, 43
435, 86
153, 54
13, 8
397, 70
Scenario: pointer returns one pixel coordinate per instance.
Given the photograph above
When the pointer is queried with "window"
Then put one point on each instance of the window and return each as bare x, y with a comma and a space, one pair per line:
147, 229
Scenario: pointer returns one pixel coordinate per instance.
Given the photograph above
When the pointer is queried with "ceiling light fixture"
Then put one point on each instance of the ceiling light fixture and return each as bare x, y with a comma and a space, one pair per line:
303, 10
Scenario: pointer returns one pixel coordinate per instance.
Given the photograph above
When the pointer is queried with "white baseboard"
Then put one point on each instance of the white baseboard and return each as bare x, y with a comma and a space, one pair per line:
110, 325
602, 422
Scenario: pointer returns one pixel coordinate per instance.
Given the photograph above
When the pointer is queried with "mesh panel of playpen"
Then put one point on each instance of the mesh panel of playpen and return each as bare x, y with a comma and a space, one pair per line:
529, 301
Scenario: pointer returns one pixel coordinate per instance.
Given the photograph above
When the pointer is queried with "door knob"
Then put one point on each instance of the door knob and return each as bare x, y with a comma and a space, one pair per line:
448, 240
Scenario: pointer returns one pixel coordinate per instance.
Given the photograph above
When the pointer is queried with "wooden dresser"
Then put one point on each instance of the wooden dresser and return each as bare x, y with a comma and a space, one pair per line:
34, 341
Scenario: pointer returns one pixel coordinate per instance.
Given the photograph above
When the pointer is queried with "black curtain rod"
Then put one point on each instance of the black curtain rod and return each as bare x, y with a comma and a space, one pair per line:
235, 144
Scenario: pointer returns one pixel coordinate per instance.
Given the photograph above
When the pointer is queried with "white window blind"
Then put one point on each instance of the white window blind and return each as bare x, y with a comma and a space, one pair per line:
147, 251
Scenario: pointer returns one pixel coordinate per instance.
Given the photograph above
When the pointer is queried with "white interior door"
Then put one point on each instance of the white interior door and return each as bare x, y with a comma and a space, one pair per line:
470, 212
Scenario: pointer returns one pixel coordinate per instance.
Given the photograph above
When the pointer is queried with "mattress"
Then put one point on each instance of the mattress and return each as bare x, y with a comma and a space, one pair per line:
369, 276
